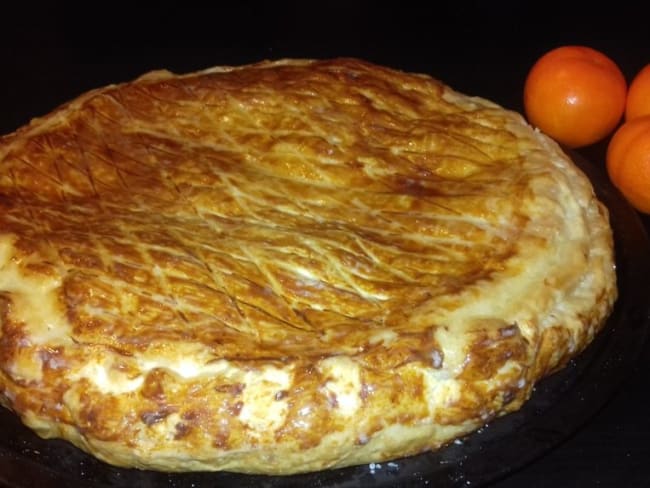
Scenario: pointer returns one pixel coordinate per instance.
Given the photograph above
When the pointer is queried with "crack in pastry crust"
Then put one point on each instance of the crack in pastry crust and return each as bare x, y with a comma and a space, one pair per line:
287, 266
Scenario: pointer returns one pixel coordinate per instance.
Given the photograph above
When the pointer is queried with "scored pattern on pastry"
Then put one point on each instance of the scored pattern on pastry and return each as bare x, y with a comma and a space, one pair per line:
290, 245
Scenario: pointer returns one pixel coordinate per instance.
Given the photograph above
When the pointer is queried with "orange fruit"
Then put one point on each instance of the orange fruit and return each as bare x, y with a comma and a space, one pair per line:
575, 94
638, 96
628, 161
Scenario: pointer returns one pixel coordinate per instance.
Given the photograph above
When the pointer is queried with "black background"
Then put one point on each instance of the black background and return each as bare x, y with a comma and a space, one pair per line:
51, 54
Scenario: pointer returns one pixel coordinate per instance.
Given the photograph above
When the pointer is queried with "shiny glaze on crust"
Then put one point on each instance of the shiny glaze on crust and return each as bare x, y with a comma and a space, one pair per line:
287, 266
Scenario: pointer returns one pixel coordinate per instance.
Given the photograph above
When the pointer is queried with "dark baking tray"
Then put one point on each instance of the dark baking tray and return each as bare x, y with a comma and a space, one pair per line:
560, 405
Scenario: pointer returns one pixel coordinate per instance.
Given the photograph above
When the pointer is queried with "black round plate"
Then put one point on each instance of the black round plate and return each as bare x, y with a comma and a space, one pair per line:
560, 405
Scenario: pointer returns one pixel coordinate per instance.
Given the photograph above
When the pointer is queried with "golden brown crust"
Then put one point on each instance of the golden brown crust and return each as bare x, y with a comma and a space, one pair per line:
287, 266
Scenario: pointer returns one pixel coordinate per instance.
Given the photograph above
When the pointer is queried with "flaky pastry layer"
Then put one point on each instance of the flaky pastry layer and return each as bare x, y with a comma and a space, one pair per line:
287, 267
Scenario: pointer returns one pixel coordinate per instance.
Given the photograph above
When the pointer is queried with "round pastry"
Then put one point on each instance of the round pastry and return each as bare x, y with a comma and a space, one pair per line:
287, 267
